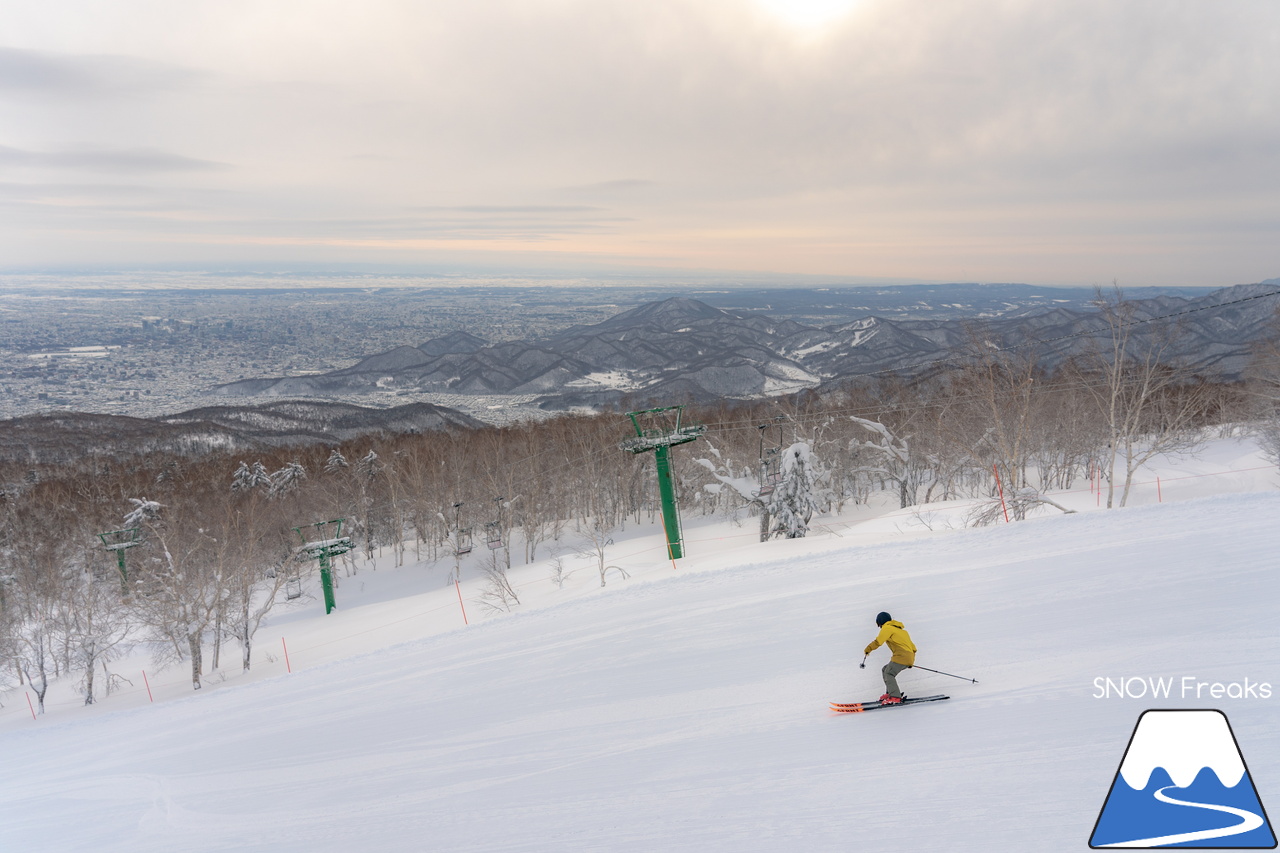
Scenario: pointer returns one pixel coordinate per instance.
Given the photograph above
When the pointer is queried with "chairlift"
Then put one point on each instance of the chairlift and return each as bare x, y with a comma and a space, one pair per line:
671, 430
770, 473
493, 535
293, 585
463, 543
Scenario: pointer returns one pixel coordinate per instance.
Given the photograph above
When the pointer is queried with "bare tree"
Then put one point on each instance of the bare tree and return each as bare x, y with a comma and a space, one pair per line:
559, 573
596, 540
34, 607
1016, 506
1262, 378
252, 553
96, 621
181, 587
498, 594
1150, 402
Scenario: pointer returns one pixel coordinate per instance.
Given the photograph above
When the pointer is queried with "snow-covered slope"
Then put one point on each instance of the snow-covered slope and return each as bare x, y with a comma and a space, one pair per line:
686, 709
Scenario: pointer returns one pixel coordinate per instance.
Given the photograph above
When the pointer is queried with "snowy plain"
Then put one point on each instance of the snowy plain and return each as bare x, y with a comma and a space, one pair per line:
685, 708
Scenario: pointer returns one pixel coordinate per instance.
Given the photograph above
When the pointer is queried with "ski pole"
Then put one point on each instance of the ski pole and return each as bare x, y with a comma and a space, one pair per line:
863, 665
961, 677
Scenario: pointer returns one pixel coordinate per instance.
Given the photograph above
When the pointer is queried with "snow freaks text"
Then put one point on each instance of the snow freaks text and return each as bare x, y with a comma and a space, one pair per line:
1186, 687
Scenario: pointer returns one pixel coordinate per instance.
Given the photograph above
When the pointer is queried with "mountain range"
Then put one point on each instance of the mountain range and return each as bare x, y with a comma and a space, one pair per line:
681, 349
64, 436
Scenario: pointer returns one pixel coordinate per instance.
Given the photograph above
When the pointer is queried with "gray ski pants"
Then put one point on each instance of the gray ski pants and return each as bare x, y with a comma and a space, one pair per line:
890, 672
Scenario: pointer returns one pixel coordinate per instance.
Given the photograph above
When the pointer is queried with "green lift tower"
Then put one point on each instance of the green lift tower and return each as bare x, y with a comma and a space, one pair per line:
117, 542
326, 543
660, 439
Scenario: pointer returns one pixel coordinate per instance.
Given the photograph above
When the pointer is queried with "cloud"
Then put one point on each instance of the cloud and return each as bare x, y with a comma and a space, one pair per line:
135, 161
609, 187
954, 136
52, 74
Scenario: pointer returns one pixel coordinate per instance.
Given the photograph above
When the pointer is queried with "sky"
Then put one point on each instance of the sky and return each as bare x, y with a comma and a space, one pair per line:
1047, 141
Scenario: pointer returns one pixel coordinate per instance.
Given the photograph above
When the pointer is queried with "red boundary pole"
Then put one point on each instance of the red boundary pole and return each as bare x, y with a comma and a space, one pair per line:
996, 471
150, 698
32, 707
288, 667
460, 604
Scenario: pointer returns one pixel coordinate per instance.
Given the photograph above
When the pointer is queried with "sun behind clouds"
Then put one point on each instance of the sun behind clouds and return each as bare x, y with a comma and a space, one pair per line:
808, 14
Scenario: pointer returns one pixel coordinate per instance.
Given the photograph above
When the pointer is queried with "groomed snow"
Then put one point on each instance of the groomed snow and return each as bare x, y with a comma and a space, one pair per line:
685, 709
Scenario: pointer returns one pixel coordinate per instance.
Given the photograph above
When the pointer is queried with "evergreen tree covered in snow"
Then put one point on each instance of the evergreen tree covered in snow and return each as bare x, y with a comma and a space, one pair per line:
143, 511
336, 462
248, 477
369, 465
287, 479
795, 500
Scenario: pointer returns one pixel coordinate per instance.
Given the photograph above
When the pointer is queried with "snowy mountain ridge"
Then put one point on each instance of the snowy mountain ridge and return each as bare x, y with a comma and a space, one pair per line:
682, 348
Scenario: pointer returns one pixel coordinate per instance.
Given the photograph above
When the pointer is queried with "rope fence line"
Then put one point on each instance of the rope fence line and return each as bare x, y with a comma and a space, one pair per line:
906, 512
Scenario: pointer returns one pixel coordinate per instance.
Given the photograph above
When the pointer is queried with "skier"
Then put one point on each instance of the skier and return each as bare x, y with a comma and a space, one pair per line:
904, 655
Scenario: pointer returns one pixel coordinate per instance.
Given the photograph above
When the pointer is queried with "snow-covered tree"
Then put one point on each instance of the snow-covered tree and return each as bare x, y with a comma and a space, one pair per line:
795, 500
373, 510
336, 462
743, 483
287, 479
369, 465
144, 511
248, 477
1015, 506
896, 461
740, 482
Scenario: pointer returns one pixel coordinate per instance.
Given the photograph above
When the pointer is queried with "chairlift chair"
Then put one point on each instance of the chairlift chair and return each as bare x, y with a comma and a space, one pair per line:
292, 584
493, 535
770, 472
463, 544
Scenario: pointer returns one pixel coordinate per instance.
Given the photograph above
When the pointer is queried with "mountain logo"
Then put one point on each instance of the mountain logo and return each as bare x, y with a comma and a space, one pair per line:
1183, 783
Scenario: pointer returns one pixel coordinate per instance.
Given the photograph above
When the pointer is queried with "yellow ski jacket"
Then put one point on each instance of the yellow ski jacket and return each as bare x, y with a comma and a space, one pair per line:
895, 634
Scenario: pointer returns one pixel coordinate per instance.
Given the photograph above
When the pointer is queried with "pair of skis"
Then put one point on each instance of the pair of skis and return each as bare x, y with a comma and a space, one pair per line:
875, 704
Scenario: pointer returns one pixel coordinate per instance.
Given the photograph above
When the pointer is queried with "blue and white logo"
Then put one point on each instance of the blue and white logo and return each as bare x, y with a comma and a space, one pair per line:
1183, 783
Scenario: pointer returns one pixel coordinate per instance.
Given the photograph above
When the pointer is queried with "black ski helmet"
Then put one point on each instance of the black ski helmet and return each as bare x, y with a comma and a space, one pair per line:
882, 618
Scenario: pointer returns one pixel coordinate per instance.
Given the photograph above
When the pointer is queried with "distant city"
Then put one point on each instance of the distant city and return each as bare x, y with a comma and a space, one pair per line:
147, 351
149, 345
